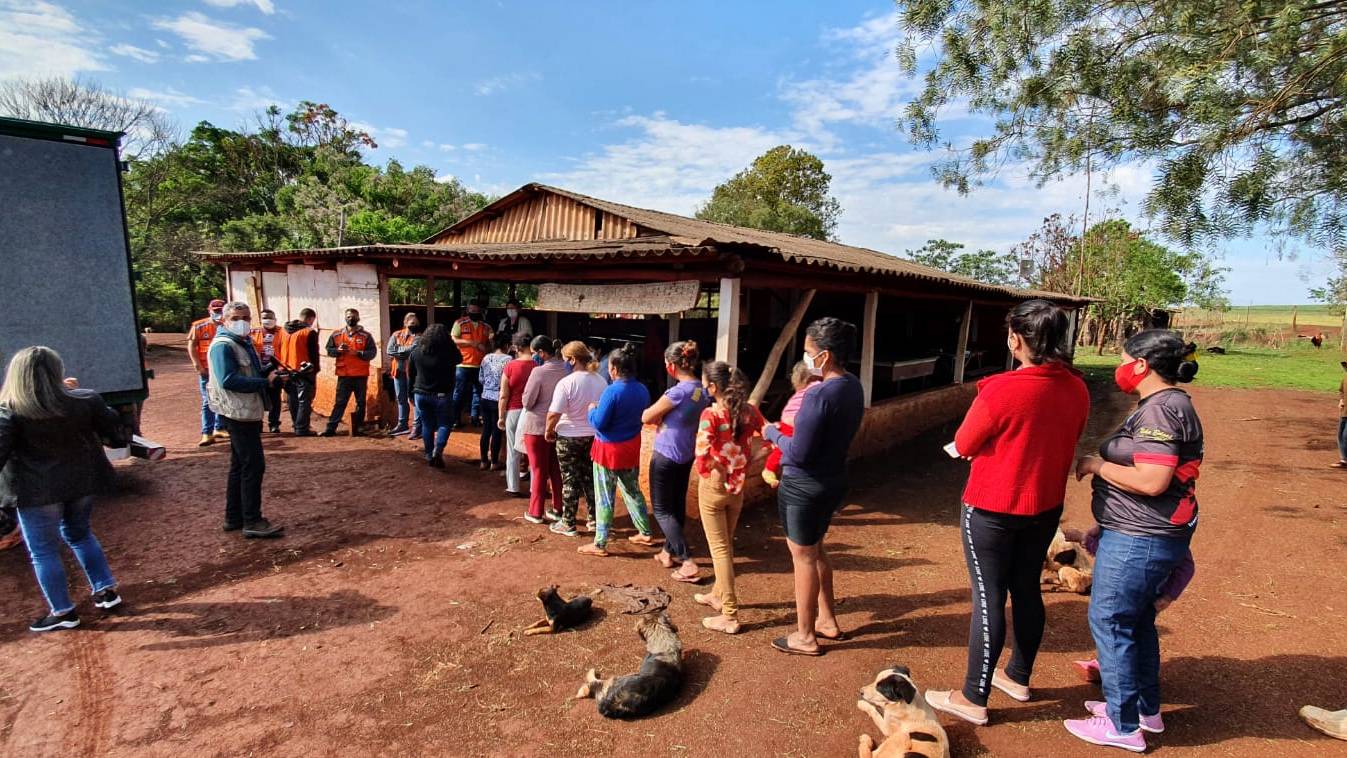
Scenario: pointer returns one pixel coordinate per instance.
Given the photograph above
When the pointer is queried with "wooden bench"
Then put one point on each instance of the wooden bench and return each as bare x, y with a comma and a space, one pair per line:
917, 368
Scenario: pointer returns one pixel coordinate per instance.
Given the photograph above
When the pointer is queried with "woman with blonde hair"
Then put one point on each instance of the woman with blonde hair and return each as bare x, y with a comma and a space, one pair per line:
51, 465
568, 426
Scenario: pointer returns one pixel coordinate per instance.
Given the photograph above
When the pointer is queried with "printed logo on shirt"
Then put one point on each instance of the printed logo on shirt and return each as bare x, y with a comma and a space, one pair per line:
1155, 435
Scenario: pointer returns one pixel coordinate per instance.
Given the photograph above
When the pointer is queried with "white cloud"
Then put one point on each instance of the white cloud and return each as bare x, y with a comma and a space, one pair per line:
138, 53
247, 99
447, 148
386, 137
162, 43
214, 40
505, 81
471, 147
44, 39
266, 6
194, 58
169, 97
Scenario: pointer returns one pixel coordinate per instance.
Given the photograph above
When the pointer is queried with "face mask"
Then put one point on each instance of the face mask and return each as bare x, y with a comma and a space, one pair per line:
537, 359
569, 367
475, 316
670, 370
239, 328
269, 323
413, 326
512, 313
353, 322
216, 315
811, 363
1126, 377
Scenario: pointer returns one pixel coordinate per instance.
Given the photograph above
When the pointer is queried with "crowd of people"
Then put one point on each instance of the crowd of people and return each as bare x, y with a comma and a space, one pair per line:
575, 425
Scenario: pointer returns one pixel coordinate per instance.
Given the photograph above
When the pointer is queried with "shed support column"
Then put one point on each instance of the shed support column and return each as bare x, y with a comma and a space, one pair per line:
1073, 323
552, 325
430, 300
783, 341
727, 323
675, 326
868, 345
961, 353
385, 319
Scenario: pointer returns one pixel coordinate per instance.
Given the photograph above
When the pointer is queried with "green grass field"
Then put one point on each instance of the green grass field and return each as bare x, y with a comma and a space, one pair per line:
1305, 315
1300, 367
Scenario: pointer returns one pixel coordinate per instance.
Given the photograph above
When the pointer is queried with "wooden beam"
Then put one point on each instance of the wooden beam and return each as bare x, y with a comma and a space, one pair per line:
552, 325
961, 352
868, 346
385, 319
675, 326
727, 323
783, 341
430, 300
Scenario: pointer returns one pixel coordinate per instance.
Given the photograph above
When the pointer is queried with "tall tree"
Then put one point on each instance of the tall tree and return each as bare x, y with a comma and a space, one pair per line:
784, 190
77, 102
984, 265
1239, 102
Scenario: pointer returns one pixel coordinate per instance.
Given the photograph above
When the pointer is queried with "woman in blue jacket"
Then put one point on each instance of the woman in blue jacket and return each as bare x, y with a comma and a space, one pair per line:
616, 453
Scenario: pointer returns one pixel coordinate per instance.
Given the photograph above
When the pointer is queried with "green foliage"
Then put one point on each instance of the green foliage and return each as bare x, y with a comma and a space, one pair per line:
296, 181
785, 190
1238, 101
984, 265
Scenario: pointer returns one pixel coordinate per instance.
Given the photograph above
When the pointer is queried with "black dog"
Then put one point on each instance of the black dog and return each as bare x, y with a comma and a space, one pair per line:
654, 685
561, 614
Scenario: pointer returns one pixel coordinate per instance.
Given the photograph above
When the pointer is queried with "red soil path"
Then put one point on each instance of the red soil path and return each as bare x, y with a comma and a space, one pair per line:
388, 621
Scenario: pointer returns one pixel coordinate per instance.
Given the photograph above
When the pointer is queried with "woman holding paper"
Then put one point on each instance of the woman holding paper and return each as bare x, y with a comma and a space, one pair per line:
1020, 434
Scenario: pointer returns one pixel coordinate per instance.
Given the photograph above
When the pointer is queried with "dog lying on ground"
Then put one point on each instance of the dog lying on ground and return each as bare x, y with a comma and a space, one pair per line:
908, 724
1068, 565
561, 614
654, 685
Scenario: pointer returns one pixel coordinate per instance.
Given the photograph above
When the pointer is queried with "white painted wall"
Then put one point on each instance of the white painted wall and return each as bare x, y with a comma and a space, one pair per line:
238, 285
276, 294
358, 287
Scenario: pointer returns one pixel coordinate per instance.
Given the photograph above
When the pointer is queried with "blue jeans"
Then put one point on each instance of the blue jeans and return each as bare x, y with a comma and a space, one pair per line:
435, 421
44, 527
1342, 439
1128, 572
402, 387
209, 421
467, 381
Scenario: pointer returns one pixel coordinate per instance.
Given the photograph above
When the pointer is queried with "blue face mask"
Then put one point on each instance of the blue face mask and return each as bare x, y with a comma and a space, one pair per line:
537, 359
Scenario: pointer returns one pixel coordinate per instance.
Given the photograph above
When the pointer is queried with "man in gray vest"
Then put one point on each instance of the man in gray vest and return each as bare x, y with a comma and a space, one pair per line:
238, 394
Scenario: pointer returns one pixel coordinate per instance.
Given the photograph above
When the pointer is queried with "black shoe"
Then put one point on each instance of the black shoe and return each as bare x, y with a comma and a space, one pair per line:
107, 599
304, 433
233, 526
262, 529
475, 421
415, 433
274, 428
397, 431
436, 461
49, 623
328, 433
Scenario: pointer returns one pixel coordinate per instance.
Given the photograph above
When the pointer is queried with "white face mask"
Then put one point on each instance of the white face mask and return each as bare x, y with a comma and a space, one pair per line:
814, 369
268, 322
216, 315
511, 312
239, 328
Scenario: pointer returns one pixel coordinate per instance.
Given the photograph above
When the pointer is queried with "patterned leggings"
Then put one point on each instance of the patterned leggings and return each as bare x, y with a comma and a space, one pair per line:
628, 480
577, 476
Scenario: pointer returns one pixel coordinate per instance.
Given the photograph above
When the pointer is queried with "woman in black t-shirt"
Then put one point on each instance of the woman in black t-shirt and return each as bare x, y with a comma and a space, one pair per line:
1146, 505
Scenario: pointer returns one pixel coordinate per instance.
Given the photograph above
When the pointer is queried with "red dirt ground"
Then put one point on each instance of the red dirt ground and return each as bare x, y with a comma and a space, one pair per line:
388, 621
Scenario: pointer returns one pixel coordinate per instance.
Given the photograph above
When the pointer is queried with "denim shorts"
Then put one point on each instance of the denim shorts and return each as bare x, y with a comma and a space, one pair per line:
806, 506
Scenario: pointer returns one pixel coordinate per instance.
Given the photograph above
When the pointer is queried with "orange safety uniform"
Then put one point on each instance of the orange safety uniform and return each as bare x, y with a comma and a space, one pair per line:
350, 363
204, 331
404, 339
476, 331
268, 343
293, 351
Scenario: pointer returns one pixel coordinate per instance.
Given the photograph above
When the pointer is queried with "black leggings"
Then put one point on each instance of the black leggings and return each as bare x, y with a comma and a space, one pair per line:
1004, 555
669, 501
492, 435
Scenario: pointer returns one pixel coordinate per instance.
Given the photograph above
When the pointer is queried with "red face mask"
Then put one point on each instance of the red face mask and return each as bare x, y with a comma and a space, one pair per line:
668, 367
1127, 378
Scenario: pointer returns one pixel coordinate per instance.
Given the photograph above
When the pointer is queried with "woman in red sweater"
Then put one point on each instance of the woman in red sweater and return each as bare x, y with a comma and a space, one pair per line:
1020, 434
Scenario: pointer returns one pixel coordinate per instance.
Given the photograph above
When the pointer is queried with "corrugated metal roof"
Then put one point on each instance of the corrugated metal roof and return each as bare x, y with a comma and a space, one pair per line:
639, 247
789, 247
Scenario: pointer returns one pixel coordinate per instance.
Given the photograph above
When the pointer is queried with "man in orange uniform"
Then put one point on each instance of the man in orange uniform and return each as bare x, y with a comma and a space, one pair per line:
473, 338
299, 357
267, 340
399, 348
354, 348
199, 336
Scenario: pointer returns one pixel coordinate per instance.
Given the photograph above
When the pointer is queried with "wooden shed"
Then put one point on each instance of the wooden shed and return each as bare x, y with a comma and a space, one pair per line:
621, 273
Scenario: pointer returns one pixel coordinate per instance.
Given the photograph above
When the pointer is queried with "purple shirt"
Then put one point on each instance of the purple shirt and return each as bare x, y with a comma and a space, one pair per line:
677, 435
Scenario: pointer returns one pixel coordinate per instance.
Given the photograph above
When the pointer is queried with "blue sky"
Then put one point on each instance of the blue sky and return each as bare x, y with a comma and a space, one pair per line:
650, 104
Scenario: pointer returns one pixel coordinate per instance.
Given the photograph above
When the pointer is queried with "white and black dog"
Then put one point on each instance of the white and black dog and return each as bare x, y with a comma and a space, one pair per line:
907, 722
654, 685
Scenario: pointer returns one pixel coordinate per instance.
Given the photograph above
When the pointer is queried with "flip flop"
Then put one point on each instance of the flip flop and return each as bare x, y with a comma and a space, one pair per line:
677, 577
841, 636
783, 645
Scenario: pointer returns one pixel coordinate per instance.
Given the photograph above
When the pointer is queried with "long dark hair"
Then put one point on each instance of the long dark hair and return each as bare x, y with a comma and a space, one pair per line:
1044, 328
731, 389
435, 340
684, 356
1166, 353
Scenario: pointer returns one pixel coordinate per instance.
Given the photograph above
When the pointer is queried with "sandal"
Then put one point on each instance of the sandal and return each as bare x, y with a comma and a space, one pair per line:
594, 550
840, 636
939, 700
783, 645
721, 624
664, 559
679, 575
642, 539
707, 599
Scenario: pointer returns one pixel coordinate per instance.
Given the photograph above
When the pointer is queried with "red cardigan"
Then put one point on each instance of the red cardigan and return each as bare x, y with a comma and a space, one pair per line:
1021, 433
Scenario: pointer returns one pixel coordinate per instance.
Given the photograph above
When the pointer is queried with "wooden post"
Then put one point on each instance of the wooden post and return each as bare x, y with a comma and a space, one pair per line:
458, 295
552, 325
783, 341
1073, 331
430, 300
1294, 317
961, 352
727, 322
255, 292
868, 345
675, 326
385, 319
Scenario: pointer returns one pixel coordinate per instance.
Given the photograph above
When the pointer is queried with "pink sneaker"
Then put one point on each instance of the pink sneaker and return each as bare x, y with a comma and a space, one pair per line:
1088, 670
1153, 724
1099, 731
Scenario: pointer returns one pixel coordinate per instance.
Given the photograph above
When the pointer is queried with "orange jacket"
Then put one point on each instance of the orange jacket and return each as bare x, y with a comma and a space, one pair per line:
204, 331
293, 351
404, 339
476, 331
356, 360
268, 343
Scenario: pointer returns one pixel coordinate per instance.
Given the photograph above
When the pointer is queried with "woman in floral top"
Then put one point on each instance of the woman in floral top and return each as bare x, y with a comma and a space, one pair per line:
724, 448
